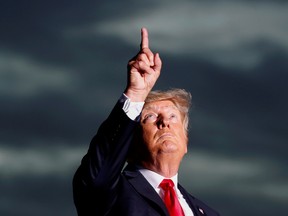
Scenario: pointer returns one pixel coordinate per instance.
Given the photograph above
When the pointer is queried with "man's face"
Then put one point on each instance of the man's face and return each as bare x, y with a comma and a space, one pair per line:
163, 130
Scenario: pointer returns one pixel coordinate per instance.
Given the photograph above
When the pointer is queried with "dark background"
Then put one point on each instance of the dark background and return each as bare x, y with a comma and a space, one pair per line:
63, 66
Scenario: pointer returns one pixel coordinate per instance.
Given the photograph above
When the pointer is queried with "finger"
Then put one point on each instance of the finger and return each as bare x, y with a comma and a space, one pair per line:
144, 39
145, 68
142, 67
144, 57
157, 63
149, 55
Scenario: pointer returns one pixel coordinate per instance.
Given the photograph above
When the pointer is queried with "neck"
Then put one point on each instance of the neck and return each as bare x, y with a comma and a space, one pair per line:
164, 165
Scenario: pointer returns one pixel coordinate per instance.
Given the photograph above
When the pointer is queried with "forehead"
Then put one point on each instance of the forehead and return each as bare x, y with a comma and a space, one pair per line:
157, 106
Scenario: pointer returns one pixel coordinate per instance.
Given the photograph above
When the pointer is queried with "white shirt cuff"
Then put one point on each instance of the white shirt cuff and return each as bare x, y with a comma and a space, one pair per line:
132, 109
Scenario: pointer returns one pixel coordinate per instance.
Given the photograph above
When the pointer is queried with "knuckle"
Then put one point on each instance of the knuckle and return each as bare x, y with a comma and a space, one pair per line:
141, 64
131, 63
140, 56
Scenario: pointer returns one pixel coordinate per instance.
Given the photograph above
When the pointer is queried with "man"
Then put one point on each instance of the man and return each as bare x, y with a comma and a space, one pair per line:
152, 137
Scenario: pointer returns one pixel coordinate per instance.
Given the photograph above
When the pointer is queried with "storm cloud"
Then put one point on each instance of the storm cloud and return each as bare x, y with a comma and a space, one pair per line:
63, 66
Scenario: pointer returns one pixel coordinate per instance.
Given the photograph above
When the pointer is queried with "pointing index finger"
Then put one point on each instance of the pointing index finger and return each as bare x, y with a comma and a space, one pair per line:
144, 38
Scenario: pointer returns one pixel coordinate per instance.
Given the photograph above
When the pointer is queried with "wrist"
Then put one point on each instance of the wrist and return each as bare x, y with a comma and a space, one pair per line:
136, 96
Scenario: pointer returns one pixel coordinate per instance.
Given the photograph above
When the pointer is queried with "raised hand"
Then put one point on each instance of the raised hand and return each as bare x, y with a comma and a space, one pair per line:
143, 71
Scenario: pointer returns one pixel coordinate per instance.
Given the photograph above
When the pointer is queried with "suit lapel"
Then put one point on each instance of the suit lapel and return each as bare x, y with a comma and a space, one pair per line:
197, 211
142, 186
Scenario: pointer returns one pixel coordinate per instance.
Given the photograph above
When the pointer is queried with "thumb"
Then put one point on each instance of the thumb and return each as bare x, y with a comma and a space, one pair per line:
157, 62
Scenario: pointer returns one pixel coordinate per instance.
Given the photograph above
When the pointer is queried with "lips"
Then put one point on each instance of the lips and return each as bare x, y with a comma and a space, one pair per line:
165, 135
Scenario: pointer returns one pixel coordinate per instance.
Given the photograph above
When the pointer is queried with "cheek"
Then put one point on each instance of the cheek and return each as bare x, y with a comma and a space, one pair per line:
183, 134
147, 133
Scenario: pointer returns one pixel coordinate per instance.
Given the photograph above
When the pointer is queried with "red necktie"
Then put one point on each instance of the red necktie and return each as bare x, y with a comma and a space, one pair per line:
170, 198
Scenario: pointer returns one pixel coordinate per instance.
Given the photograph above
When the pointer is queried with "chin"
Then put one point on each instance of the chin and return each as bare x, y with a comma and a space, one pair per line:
169, 147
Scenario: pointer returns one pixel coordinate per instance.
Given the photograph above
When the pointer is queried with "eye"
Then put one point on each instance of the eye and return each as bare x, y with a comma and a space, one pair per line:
173, 117
150, 117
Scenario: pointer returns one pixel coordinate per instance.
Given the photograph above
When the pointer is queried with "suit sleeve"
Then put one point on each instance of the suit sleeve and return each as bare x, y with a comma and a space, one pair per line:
95, 181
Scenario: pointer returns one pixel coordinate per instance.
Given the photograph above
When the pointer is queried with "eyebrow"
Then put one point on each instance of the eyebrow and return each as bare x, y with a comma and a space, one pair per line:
157, 107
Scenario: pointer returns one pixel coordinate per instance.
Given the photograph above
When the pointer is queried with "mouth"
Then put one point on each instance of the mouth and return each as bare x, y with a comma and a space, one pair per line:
165, 135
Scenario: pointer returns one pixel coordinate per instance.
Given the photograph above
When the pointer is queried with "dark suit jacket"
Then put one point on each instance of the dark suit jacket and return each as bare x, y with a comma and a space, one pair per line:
101, 188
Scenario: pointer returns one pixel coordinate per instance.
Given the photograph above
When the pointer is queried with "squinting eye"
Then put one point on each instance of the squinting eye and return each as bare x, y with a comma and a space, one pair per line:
150, 117
173, 117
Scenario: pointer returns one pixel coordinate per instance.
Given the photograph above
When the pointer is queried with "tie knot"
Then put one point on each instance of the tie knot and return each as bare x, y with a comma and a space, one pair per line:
166, 183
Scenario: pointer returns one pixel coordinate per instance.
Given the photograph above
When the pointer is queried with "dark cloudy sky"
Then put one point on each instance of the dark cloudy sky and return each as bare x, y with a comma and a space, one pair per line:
63, 66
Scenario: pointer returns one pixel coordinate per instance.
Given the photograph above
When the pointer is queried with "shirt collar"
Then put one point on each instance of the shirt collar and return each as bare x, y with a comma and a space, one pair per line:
155, 179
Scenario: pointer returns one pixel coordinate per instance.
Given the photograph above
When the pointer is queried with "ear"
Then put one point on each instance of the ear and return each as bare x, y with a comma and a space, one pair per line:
186, 148
187, 142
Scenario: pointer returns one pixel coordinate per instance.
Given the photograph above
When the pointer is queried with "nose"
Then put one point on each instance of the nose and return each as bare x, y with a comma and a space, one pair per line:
163, 122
